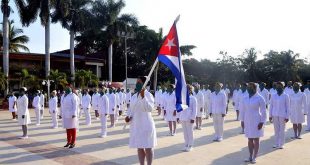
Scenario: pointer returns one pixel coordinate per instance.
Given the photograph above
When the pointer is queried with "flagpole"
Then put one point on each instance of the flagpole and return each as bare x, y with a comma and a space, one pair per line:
156, 61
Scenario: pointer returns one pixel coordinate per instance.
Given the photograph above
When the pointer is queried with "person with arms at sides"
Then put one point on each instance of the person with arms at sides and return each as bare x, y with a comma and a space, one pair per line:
227, 93
298, 104
36, 104
218, 103
112, 107
289, 88
200, 105
23, 112
279, 114
12, 105
235, 102
157, 100
53, 109
307, 109
243, 94
254, 117
69, 106
187, 118
42, 101
264, 92
142, 127
170, 110
206, 95
128, 98
103, 111
94, 103
86, 104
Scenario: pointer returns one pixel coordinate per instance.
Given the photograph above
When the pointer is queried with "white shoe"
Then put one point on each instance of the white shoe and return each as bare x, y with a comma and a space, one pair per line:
54, 127
220, 139
103, 136
275, 146
253, 161
14, 119
188, 149
248, 160
199, 128
280, 147
37, 124
185, 148
23, 137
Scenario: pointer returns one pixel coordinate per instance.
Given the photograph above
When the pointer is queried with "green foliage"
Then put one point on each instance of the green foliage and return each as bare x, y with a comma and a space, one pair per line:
59, 78
85, 78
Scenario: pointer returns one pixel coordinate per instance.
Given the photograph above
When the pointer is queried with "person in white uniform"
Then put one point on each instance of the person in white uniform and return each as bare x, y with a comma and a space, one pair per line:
42, 101
289, 88
128, 98
170, 110
206, 95
243, 94
307, 109
254, 117
36, 104
200, 105
142, 127
187, 118
157, 100
279, 114
103, 111
112, 107
218, 103
12, 105
227, 93
69, 106
86, 105
235, 98
94, 103
298, 104
53, 108
23, 114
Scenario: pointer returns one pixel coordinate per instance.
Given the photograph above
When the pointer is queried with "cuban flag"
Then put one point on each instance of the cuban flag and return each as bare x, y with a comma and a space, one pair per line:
170, 55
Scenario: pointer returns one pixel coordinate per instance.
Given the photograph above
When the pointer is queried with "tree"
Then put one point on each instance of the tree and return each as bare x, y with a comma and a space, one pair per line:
29, 11
109, 17
57, 77
74, 16
248, 63
84, 78
187, 49
16, 41
3, 81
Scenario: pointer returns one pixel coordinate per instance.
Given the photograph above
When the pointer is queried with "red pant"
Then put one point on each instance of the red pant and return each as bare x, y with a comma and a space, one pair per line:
71, 135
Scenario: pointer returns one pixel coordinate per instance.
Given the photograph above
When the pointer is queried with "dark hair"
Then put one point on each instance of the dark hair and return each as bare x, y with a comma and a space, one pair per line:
142, 78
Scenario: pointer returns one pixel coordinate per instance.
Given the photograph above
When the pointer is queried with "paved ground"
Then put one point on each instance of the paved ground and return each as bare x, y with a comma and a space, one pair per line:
45, 145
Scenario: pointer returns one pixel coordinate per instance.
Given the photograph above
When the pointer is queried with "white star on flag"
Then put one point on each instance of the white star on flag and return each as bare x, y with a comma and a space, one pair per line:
170, 43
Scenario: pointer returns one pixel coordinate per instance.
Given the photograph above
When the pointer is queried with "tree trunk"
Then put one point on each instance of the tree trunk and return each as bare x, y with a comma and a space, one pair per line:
47, 47
6, 43
72, 70
110, 61
155, 77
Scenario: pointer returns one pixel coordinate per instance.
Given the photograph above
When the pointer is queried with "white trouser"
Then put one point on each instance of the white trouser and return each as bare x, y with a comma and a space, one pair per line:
218, 122
188, 133
54, 120
279, 130
308, 120
42, 112
87, 116
38, 115
103, 120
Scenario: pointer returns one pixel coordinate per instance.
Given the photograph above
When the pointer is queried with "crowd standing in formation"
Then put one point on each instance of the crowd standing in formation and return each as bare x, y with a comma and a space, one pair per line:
253, 104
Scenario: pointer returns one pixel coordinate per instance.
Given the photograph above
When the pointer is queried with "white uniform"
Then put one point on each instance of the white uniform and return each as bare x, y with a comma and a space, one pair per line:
157, 98
37, 108
12, 105
103, 111
94, 101
307, 109
142, 127
42, 105
128, 97
206, 96
86, 100
112, 104
254, 112
265, 94
288, 91
241, 98
69, 106
279, 111
22, 109
53, 109
235, 98
185, 118
124, 104
170, 102
200, 103
298, 103
218, 103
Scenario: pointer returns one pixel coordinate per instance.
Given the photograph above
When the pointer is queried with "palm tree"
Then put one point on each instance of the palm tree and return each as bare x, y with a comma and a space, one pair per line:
3, 81
6, 10
57, 77
85, 78
28, 14
24, 75
110, 18
74, 16
16, 41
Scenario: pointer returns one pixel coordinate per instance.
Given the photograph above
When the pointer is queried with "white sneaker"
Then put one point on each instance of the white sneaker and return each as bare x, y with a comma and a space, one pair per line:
185, 148
220, 139
280, 147
103, 136
188, 149
253, 161
23, 137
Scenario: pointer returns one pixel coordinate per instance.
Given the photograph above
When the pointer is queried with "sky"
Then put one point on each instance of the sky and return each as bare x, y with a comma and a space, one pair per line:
211, 25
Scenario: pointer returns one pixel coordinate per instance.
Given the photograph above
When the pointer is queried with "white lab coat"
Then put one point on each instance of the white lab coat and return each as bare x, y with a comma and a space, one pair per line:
103, 111
241, 98
86, 101
94, 99
142, 127
112, 104
128, 97
200, 103
36, 103
42, 101
218, 103
298, 104
254, 112
235, 98
52, 105
69, 106
22, 109
265, 93
279, 106
206, 96
288, 91
157, 98
170, 102
12, 105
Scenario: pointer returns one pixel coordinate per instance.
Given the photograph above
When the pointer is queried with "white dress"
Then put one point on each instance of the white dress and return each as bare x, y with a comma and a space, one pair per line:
200, 104
254, 112
12, 106
170, 102
297, 107
69, 107
142, 128
22, 109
